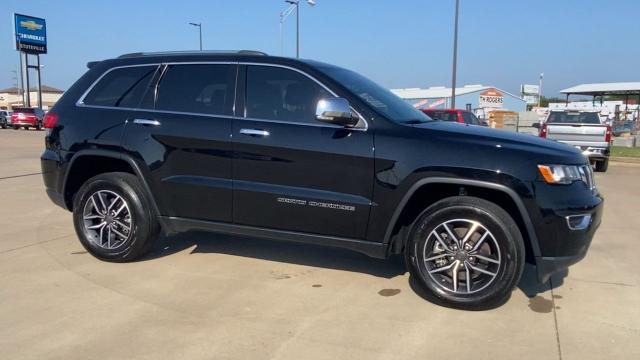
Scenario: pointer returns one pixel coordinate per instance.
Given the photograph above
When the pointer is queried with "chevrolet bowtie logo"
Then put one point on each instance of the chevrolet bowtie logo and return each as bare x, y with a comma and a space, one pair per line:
31, 25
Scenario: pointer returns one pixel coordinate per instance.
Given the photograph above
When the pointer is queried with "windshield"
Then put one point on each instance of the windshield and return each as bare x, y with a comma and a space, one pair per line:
573, 118
382, 100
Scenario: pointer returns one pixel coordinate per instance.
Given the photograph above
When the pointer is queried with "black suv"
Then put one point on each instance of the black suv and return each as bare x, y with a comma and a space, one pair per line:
253, 145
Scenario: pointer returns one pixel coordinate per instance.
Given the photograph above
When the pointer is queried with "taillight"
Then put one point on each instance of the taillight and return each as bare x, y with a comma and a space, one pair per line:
543, 131
607, 135
50, 120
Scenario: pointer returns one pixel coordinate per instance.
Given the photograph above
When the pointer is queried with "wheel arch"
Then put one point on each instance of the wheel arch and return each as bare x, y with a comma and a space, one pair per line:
395, 234
99, 161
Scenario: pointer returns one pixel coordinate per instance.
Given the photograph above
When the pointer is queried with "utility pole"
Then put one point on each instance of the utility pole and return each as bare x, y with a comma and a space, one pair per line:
455, 57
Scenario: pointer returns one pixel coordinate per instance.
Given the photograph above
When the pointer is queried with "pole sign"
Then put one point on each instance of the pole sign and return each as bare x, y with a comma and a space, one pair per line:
30, 34
530, 89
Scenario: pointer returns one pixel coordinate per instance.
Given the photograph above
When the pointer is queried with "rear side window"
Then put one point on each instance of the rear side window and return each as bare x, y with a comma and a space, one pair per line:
275, 93
122, 87
198, 88
573, 118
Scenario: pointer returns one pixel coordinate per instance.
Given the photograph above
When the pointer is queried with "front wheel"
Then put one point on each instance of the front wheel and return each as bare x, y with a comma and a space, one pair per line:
113, 218
466, 252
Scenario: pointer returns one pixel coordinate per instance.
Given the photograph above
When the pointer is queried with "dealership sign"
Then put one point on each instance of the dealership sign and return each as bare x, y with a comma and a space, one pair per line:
30, 34
491, 98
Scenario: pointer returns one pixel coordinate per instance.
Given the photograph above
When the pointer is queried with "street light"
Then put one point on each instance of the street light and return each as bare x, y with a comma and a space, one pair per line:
455, 58
199, 25
540, 90
283, 15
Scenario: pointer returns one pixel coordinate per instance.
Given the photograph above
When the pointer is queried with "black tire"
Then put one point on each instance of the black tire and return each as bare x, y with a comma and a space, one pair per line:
26, 128
4, 126
16, 127
144, 226
505, 240
39, 126
602, 166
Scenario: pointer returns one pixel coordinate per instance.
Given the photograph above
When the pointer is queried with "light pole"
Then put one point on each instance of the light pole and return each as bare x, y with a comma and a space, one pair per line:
540, 89
199, 25
296, 4
283, 17
455, 57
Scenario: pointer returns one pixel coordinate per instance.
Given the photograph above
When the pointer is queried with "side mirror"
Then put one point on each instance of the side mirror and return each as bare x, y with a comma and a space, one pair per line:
536, 125
335, 111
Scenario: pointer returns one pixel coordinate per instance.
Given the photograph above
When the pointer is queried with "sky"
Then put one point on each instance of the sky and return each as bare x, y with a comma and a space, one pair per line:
399, 44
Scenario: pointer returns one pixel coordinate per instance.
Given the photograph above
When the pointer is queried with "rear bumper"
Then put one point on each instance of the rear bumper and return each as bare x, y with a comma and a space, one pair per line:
53, 177
23, 123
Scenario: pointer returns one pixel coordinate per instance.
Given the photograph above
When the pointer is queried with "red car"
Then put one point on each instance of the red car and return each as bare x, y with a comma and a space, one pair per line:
27, 117
454, 115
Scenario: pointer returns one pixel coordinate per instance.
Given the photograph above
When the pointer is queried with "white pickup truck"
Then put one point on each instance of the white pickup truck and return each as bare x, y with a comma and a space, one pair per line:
583, 130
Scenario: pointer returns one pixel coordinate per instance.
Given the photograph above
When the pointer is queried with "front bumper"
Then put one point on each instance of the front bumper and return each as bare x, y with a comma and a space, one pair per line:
564, 242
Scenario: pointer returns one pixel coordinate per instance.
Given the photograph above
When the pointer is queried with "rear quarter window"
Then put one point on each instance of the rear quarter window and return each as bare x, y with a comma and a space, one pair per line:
121, 87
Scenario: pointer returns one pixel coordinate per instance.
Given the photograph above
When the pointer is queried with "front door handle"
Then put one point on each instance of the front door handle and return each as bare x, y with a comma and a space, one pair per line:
254, 132
146, 122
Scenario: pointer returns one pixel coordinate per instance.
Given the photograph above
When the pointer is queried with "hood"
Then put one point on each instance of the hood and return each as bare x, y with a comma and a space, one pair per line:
531, 146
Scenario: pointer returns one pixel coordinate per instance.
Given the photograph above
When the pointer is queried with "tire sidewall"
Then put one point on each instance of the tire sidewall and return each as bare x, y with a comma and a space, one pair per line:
509, 243
139, 217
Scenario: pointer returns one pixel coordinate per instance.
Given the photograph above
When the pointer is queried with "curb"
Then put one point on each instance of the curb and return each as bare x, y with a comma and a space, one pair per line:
624, 159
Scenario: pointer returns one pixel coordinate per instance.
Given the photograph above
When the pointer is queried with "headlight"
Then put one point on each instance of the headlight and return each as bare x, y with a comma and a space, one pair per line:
567, 174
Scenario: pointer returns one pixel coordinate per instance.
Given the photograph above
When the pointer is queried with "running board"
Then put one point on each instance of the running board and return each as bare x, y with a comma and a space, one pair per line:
177, 224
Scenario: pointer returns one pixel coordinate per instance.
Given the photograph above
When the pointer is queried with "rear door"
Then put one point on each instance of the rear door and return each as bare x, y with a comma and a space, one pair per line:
185, 140
292, 172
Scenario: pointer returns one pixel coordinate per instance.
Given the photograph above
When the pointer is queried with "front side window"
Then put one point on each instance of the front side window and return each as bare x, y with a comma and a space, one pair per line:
275, 93
123, 87
198, 88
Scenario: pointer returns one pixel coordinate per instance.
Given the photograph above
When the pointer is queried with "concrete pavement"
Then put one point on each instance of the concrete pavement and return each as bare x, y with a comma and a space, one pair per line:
203, 296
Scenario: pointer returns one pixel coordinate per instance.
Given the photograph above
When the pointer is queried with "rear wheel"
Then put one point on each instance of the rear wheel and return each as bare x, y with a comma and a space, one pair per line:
466, 252
113, 218
602, 166
39, 126
16, 127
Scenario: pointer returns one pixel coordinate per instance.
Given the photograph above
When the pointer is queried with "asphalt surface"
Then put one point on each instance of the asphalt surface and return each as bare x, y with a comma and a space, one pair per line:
204, 296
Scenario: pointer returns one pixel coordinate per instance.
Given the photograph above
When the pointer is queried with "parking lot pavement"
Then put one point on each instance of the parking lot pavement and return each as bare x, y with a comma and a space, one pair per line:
208, 296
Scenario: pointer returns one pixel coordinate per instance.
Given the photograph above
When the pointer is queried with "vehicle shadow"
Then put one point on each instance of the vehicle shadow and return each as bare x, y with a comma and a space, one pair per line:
530, 285
280, 251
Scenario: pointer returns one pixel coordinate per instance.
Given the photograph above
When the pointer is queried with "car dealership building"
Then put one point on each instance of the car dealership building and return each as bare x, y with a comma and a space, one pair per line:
481, 99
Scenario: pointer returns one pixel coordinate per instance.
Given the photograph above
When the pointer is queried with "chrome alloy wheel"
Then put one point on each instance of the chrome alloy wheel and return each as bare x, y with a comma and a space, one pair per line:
106, 219
462, 256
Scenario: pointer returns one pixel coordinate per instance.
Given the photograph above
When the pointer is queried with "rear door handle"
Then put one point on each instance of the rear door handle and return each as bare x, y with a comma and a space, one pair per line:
146, 122
254, 132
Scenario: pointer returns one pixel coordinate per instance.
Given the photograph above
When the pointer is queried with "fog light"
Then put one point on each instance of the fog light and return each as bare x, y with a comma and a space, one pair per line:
578, 222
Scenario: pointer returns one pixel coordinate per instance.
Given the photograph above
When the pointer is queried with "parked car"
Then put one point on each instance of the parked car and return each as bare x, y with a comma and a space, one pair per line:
252, 145
27, 117
583, 130
5, 118
454, 115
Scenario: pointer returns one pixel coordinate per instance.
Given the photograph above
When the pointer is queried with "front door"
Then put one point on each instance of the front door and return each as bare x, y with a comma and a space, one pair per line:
290, 171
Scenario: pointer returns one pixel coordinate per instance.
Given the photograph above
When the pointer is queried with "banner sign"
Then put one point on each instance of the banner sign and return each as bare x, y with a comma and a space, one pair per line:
491, 98
30, 34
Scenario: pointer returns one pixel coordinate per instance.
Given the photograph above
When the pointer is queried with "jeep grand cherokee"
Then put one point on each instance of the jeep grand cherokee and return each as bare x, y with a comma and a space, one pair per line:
252, 145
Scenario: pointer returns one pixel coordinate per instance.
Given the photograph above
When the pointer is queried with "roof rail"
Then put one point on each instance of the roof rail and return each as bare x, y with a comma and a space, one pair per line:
194, 52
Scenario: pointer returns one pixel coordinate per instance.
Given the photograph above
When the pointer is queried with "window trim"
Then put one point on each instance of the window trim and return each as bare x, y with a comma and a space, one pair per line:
164, 65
